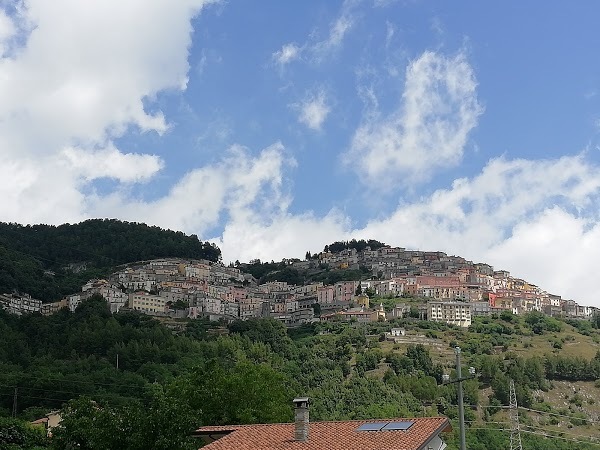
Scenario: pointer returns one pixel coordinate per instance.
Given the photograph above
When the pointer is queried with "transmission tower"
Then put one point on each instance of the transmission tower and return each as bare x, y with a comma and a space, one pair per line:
515, 429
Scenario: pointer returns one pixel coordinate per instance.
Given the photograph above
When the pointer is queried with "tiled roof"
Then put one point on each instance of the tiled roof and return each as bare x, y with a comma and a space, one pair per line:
324, 436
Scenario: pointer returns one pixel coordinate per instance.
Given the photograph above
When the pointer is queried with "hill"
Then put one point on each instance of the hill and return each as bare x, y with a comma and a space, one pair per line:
49, 262
129, 370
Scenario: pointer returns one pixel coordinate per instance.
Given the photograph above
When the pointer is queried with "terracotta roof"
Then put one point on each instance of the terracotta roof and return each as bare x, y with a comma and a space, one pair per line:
324, 436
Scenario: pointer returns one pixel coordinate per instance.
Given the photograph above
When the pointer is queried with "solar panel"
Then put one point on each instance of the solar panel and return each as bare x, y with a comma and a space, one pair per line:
397, 426
373, 426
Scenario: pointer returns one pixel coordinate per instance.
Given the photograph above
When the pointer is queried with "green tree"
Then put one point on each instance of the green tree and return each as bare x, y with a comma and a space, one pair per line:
244, 393
164, 423
317, 309
16, 434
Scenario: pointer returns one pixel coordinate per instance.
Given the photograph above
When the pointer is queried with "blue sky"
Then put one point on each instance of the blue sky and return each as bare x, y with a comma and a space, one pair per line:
275, 127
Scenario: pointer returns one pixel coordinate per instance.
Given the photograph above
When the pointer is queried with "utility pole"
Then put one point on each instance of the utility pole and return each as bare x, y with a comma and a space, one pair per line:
515, 428
14, 408
461, 407
117, 361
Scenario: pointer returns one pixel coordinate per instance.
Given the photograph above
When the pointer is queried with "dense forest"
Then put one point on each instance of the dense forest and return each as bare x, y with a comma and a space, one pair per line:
49, 262
358, 245
128, 381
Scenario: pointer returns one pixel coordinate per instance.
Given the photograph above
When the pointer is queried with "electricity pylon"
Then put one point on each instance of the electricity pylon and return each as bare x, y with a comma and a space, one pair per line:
515, 429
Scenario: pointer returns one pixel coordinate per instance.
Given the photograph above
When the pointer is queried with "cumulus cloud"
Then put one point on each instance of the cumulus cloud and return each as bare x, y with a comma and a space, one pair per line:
283, 235
510, 215
237, 185
111, 163
428, 131
7, 31
538, 219
479, 213
69, 88
313, 110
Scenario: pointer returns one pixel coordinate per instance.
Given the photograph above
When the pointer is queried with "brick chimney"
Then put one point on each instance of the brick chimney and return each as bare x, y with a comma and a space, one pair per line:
301, 419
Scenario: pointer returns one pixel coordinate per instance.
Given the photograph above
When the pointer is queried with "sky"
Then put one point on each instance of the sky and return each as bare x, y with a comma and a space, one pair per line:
273, 128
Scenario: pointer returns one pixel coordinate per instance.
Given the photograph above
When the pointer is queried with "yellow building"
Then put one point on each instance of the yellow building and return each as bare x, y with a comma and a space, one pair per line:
362, 300
147, 303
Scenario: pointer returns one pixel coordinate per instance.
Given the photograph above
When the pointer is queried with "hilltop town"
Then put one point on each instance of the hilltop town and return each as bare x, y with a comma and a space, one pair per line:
429, 285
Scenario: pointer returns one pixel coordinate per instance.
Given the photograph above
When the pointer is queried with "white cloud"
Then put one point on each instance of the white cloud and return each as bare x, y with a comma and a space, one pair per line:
281, 236
319, 50
480, 213
237, 185
77, 77
287, 54
538, 219
517, 204
383, 3
7, 31
558, 249
76, 82
338, 30
314, 110
428, 131
389, 33
111, 163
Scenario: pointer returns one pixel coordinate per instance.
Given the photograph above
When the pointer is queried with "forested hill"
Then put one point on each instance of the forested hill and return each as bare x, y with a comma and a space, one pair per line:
49, 262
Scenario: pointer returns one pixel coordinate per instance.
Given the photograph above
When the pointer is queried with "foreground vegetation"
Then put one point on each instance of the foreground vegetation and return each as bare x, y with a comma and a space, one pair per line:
170, 380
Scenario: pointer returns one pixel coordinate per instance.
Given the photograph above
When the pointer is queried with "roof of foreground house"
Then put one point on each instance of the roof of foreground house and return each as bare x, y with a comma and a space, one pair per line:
328, 435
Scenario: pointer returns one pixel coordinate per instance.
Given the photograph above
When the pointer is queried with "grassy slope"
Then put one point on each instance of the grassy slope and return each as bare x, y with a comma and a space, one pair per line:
564, 398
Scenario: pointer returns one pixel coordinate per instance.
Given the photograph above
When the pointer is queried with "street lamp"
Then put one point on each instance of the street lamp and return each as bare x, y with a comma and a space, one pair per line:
461, 408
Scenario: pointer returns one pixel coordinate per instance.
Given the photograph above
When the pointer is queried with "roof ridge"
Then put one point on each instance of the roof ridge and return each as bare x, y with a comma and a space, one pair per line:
328, 421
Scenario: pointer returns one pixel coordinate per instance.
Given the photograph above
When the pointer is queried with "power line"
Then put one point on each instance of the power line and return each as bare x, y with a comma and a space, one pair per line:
57, 391
541, 434
558, 415
560, 432
62, 380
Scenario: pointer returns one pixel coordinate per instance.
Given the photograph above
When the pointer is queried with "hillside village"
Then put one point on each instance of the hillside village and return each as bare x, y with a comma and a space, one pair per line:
451, 289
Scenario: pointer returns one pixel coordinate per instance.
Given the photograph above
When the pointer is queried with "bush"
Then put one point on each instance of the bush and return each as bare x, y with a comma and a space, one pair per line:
578, 419
18, 434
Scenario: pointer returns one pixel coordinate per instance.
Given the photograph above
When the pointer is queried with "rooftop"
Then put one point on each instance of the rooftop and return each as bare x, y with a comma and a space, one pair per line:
327, 435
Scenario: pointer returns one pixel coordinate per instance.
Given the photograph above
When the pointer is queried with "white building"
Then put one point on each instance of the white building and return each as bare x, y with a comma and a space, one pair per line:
454, 313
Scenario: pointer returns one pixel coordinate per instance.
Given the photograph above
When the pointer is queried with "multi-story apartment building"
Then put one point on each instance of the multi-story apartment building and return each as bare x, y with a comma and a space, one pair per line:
454, 313
17, 304
250, 307
344, 291
147, 303
196, 271
325, 295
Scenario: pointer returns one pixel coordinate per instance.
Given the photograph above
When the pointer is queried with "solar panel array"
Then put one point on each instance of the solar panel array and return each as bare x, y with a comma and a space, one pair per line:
386, 426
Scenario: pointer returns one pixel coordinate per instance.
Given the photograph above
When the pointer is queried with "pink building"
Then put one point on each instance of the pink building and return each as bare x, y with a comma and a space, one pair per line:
325, 295
344, 291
